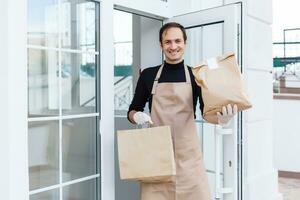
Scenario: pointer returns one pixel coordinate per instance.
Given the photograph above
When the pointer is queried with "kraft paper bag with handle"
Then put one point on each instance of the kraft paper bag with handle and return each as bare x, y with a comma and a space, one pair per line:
221, 84
146, 154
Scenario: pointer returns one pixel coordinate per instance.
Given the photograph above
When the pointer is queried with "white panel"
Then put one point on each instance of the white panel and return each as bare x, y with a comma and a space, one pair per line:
196, 5
205, 4
231, 1
258, 144
262, 187
13, 104
286, 129
156, 8
260, 90
258, 45
4, 101
179, 7
260, 9
212, 40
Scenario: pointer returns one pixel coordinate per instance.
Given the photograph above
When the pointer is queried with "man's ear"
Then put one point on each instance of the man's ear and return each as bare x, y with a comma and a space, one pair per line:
160, 45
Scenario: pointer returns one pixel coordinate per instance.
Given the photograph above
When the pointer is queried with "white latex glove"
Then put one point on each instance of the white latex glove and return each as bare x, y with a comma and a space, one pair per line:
227, 114
141, 118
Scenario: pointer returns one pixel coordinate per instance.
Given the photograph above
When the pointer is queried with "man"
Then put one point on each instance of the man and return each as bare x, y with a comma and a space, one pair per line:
172, 94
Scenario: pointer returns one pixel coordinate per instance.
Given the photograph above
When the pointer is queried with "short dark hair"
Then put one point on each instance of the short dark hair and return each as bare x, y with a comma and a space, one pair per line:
169, 25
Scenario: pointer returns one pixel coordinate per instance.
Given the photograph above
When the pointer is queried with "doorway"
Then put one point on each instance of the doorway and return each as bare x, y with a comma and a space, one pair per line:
210, 32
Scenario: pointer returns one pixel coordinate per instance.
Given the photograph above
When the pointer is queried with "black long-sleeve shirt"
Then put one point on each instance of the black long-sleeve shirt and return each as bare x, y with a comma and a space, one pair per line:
170, 73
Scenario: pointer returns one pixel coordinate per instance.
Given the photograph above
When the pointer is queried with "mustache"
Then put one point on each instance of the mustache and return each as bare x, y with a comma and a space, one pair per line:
174, 50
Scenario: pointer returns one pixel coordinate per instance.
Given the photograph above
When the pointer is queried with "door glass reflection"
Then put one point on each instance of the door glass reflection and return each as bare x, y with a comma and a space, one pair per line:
79, 148
43, 142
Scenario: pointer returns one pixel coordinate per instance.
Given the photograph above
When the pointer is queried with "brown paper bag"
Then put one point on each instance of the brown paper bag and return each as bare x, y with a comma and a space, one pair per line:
146, 154
221, 83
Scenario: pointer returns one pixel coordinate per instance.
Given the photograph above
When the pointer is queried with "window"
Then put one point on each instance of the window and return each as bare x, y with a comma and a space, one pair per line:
63, 99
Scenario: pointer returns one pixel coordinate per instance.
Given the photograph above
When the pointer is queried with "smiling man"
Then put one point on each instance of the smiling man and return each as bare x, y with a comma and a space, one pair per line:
172, 94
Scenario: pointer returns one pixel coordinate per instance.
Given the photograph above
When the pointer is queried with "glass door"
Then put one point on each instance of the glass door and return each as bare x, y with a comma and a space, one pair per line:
63, 100
211, 33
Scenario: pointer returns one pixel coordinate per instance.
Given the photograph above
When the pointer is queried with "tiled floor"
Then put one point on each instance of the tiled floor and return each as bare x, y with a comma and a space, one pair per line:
290, 188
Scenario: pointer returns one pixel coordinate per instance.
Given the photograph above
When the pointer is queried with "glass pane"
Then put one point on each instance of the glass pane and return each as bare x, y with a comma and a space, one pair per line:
79, 148
209, 146
43, 23
278, 51
209, 154
49, 195
43, 150
123, 72
194, 46
122, 26
292, 35
42, 83
202, 43
123, 77
78, 24
199, 126
293, 50
212, 40
78, 83
84, 191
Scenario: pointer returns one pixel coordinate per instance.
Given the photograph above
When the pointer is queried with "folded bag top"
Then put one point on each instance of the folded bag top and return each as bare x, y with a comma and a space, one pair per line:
221, 84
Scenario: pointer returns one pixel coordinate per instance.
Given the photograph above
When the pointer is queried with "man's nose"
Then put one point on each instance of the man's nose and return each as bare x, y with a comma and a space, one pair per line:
173, 45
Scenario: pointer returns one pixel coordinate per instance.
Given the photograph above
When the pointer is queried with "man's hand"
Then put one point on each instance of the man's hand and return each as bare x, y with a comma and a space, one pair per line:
141, 118
227, 114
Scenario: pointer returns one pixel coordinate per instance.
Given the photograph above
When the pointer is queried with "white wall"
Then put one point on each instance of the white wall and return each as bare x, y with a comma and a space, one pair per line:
4, 144
13, 101
180, 7
286, 128
260, 174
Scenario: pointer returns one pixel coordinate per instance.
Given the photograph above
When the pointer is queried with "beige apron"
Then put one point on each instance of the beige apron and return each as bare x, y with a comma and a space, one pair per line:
172, 104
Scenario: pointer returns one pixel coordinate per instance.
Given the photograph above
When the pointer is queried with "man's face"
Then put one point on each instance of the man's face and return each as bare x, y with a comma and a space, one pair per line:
173, 45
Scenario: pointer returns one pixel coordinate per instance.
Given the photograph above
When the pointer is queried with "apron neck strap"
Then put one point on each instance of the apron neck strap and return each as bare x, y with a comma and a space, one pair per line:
156, 79
187, 77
